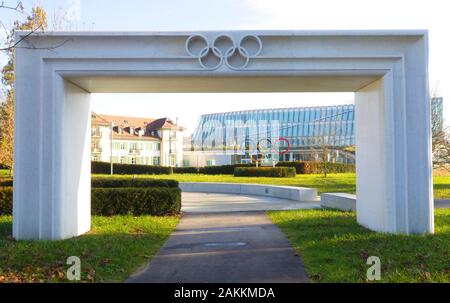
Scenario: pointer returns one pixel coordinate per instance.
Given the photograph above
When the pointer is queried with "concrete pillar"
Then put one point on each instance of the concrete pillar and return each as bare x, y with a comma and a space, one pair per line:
393, 195
53, 157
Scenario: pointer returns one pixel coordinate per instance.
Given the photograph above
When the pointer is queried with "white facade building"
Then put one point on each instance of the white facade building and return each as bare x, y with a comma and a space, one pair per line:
130, 140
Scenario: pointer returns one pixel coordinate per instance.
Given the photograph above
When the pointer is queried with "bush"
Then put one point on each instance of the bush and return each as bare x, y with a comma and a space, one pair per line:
135, 201
221, 169
277, 172
311, 167
110, 182
119, 195
157, 201
186, 170
6, 200
301, 167
6, 182
129, 169
4, 166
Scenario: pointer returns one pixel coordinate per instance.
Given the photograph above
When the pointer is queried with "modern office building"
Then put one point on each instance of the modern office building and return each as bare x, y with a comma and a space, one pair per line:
281, 134
133, 140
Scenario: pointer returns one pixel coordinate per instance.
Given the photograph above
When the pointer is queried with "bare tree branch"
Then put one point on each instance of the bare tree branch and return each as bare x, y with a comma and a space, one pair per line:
21, 39
17, 8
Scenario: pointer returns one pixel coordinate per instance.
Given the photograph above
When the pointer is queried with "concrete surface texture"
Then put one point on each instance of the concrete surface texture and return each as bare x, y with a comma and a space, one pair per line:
442, 203
213, 203
387, 70
284, 192
341, 201
224, 248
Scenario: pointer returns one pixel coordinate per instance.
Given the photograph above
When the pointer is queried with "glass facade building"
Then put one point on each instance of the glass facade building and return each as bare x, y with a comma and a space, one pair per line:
296, 130
300, 133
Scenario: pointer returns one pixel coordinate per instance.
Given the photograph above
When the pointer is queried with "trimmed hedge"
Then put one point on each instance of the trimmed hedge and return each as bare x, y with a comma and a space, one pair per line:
129, 169
155, 201
6, 200
6, 182
301, 167
222, 169
312, 167
186, 170
106, 182
3, 166
277, 172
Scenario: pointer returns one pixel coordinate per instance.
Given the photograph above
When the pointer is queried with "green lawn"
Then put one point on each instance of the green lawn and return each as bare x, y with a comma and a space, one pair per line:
114, 248
332, 183
441, 186
5, 173
334, 248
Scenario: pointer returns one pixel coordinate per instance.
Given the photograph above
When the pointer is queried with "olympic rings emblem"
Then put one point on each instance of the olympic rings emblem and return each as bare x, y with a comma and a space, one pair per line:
288, 145
266, 151
222, 50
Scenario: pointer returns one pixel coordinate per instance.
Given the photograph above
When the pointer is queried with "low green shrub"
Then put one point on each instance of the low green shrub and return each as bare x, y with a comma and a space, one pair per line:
6, 200
110, 182
277, 172
129, 169
4, 166
301, 167
118, 196
6, 182
221, 169
186, 170
155, 201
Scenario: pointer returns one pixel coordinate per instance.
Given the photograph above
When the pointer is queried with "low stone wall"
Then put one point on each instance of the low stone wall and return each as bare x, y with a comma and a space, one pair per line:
283, 192
341, 201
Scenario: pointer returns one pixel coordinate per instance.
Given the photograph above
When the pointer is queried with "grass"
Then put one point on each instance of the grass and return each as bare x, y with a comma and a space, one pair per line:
345, 183
114, 248
441, 187
334, 248
5, 173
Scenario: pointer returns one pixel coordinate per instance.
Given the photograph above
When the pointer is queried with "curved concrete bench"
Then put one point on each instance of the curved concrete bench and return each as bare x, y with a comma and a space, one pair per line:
283, 192
341, 201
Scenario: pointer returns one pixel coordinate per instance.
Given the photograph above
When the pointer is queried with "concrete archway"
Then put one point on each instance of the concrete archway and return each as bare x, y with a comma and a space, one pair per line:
386, 69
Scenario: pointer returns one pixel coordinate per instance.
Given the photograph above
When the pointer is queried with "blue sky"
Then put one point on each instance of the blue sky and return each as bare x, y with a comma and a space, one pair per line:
248, 14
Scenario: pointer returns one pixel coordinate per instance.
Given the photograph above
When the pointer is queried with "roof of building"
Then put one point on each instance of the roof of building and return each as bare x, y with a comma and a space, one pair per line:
96, 119
147, 124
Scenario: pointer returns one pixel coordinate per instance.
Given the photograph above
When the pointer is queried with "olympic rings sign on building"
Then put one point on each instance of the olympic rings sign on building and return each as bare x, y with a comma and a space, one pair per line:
265, 150
223, 50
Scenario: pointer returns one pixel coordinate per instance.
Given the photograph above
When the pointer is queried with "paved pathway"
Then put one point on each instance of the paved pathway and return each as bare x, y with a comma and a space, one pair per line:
228, 238
224, 247
442, 203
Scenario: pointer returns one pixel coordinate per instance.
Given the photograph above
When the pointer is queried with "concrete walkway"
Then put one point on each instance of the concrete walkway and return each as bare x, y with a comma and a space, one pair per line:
224, 248
442, 203
216, 203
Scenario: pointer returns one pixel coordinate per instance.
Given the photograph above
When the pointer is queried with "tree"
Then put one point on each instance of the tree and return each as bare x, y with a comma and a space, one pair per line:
7, 127
37, 20
440, 140
325, 158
